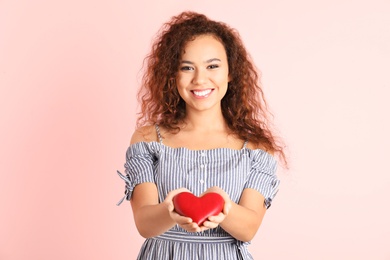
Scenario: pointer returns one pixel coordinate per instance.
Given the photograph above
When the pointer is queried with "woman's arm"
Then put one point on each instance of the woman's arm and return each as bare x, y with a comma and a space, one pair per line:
240, 220
244, 219
151, 217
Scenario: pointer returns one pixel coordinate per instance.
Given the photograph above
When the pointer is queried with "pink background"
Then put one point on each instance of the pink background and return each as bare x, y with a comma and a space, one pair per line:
69, 71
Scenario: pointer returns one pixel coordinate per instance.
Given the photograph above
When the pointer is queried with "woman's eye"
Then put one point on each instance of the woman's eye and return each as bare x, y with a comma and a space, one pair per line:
214, 66
186, 68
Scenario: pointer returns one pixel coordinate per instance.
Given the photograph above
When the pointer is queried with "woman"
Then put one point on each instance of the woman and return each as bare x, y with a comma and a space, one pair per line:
202, 128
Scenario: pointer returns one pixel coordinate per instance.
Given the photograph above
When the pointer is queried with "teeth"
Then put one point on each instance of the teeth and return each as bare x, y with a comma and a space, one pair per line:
202, 93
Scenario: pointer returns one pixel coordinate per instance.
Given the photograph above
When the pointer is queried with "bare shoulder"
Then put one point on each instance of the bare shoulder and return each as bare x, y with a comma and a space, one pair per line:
144, 134
254, 146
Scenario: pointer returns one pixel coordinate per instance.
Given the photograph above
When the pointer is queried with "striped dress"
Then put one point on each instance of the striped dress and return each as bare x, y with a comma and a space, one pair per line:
197, 170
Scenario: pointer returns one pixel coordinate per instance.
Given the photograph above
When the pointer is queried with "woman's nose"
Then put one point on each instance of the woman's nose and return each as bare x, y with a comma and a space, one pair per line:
199, 77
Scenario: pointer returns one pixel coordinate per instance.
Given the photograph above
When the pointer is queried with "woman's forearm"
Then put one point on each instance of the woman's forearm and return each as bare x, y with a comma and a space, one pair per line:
153, 220
242, 223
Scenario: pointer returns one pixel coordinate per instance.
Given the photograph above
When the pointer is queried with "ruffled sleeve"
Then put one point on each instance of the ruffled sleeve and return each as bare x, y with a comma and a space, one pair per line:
262, 176
140, 162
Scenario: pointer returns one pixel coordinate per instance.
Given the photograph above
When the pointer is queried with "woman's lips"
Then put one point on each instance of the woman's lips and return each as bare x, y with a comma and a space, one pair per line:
203, 93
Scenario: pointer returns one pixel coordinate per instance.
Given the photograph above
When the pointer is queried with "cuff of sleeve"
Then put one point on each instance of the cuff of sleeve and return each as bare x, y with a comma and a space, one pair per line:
267, 203
128, 188
268, 200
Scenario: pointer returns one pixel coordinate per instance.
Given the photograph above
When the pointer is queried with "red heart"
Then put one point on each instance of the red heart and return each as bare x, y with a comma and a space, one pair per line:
198, 208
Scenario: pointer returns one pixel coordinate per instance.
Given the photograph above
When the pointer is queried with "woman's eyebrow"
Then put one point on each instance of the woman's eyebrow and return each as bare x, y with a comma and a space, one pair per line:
187, 61
207, 61
212, 60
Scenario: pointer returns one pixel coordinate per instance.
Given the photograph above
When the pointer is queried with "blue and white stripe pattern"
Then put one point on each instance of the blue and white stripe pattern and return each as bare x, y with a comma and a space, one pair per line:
197, 170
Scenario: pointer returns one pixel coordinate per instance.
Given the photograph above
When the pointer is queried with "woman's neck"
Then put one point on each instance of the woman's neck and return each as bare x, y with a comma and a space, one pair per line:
205, 121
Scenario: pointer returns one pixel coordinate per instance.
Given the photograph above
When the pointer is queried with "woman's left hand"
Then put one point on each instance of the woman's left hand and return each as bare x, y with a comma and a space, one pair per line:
214, 221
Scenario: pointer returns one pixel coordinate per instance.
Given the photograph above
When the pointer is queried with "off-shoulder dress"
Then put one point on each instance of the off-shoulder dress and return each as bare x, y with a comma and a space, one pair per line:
197, 170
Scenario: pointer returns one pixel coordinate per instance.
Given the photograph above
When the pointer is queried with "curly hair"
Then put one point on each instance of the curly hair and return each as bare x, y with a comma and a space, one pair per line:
244, 107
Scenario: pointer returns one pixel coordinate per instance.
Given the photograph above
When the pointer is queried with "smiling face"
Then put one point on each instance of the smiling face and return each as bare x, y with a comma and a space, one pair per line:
203, 74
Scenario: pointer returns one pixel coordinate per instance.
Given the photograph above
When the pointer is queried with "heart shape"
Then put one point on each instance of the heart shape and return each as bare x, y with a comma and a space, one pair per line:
198, 208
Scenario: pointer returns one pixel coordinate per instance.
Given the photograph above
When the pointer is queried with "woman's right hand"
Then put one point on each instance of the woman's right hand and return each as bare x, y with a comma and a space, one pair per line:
184, 222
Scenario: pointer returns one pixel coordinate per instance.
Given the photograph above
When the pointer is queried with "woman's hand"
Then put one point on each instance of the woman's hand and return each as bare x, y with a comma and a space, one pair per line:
214, 221
184, 222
